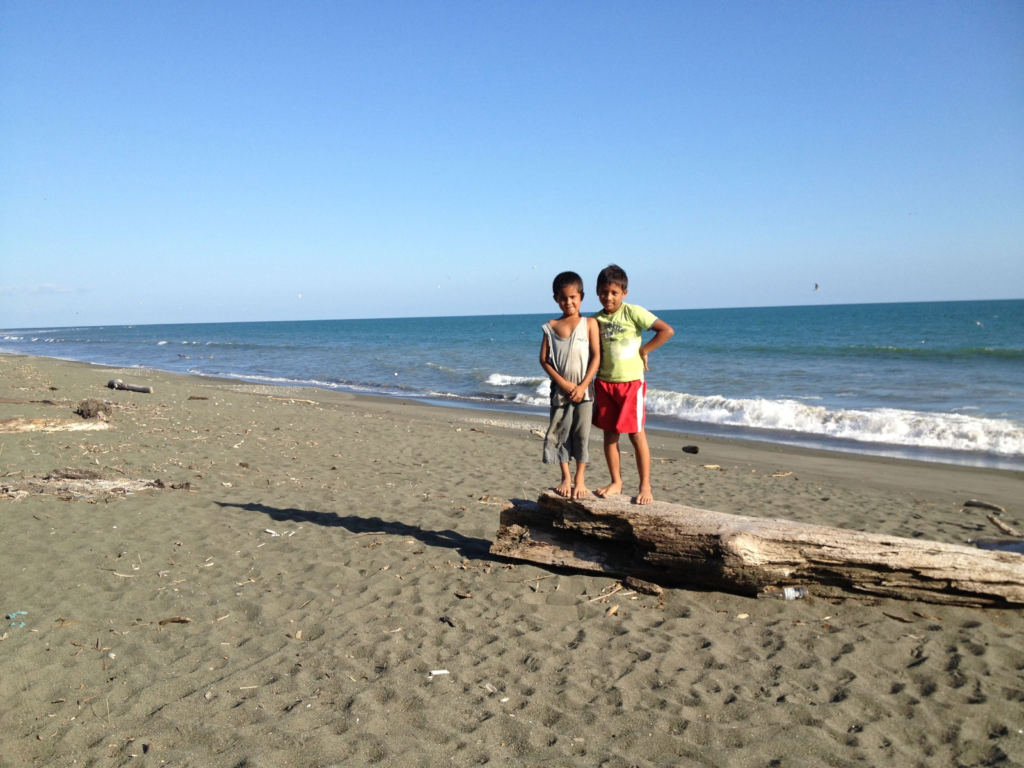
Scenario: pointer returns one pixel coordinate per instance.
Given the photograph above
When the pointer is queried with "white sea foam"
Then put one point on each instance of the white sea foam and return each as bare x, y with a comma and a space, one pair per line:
504, 380
160, 343
954, 431
543, 384
530, 400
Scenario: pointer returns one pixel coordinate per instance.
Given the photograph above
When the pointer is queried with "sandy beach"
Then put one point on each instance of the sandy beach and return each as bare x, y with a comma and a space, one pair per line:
325, 552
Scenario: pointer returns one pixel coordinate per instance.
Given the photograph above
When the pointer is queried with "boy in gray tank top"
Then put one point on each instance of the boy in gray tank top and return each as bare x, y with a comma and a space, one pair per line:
570, 354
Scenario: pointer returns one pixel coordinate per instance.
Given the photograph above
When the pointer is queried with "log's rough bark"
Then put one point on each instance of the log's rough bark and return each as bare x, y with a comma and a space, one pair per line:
675, 545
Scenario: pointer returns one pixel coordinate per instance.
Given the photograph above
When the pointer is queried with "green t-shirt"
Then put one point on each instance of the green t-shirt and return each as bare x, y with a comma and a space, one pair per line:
621, 342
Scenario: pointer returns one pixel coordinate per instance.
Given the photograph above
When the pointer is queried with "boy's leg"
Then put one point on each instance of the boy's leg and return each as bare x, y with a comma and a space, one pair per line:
583, 415
643, 466
611, 455
565, 487
580, 490
555, 449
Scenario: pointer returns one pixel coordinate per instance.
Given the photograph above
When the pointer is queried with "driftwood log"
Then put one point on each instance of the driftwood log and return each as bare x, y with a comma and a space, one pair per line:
118, 384
675, 545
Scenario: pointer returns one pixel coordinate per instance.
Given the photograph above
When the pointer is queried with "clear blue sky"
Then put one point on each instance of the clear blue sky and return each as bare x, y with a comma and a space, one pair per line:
197, 162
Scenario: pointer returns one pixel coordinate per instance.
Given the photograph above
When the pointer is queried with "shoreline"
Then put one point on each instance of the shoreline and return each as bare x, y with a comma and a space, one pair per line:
330, 550
695, 430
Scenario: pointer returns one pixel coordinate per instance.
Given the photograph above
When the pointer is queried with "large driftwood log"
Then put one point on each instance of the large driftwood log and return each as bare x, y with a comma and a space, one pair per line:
675, 545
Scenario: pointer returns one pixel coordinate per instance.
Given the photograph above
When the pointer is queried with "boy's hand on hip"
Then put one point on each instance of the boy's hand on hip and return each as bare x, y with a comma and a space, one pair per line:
643, 356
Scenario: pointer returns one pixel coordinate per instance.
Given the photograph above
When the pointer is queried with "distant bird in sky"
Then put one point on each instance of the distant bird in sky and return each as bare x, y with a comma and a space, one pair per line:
815, 286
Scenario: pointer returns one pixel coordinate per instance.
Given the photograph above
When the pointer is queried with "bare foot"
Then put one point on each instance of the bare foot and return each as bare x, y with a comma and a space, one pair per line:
564, 488
609, 490
645, 496
580, 491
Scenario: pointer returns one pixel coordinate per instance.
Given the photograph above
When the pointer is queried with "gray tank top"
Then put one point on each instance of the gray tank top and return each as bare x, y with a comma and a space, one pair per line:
570, 357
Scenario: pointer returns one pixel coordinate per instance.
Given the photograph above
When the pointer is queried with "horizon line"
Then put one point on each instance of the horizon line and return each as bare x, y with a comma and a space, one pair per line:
517, 314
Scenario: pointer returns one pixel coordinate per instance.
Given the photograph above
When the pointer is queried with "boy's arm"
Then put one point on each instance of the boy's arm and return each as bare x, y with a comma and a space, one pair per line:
594, 335
662, 333
549, 369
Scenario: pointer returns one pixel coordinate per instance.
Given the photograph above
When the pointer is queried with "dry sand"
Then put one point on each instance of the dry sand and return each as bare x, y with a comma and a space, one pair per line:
315, 646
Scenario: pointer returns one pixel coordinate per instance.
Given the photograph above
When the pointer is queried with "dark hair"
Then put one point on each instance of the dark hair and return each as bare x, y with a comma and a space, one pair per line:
613, 274
564, 280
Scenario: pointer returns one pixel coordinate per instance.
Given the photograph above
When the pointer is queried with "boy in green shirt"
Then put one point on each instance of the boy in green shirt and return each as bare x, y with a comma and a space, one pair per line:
620, 387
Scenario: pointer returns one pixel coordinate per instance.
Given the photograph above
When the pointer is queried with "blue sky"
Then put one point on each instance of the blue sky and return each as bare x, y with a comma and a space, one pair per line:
198, 162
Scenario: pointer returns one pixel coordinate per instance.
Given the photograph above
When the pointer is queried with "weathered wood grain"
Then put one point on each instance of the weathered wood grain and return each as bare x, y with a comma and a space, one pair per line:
676, 545
18, 425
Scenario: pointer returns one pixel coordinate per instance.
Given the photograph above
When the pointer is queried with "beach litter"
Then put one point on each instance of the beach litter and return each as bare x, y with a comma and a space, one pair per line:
643, 587
1001, 545
691, 449
437, 672
15, 623
605, 595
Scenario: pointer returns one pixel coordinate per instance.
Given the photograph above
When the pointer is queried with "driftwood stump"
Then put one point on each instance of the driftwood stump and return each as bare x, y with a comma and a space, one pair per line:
118, 384
675, 545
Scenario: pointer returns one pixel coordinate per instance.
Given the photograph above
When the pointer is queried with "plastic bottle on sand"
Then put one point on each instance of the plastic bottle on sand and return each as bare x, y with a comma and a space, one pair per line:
786, 593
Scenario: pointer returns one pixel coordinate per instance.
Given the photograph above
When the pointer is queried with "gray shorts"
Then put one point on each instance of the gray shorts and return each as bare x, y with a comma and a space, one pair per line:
569, 433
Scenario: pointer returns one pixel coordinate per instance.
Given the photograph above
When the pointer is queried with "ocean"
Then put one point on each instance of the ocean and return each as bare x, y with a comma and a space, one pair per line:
940, 381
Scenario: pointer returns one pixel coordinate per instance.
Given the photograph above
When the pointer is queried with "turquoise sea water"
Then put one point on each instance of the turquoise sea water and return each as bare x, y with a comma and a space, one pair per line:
940, 380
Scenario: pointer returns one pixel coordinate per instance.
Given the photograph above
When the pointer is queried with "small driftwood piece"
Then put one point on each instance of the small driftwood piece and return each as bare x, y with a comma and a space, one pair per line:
18, 425
983, 505
118, 384
675, 545
1009, 530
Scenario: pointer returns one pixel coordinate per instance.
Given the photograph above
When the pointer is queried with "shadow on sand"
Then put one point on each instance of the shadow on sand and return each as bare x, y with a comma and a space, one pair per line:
464, 545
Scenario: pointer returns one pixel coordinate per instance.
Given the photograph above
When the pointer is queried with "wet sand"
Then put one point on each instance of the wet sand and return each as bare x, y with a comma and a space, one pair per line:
315, 646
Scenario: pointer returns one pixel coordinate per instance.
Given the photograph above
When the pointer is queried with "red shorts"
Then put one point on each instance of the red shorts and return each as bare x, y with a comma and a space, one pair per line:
619, 406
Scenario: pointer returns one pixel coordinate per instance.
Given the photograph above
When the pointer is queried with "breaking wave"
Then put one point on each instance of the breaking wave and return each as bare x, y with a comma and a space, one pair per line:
956, 431
541, 396
504, 380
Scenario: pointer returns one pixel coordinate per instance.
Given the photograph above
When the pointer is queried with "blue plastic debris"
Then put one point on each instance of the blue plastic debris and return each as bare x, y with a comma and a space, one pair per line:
16, 614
